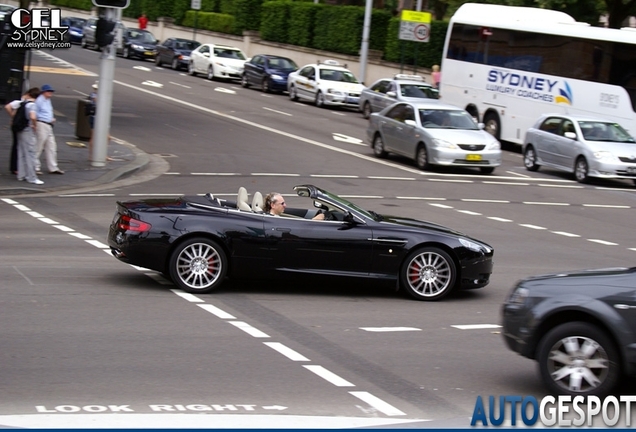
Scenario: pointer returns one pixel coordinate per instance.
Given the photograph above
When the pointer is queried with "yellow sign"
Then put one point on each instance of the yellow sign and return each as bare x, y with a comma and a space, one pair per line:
66, 71
414, 16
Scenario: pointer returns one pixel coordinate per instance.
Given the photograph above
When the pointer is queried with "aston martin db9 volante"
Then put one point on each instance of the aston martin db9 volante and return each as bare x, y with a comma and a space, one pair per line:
197, 241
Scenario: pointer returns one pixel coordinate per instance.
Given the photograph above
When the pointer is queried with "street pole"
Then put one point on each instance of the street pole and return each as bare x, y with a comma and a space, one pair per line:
104, 97
364, 49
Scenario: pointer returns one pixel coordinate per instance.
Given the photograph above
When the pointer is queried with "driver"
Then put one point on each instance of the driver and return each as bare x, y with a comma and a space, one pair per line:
275, 206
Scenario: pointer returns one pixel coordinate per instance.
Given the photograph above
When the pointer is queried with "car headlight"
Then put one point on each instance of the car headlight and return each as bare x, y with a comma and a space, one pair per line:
75, 33
518, 296
137, 47
335, 92
474, 246
495, 145
277, 77
444, 144
604, 155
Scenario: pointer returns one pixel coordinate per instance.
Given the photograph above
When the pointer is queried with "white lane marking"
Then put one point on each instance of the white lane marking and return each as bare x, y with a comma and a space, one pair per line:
603, 242
468, 212
187, 296
64, 228
544, 203
379, 404
87, 195
22, 207
276, 175
498, 219
561, 186
224, 90
451, 180
156, 277
485, 201
347, 139
476, 326
277, 112
35, 214
179, 84
216, 311
215, 174
536, 227
421, 198
329, 376
440, 205
47, 220
142, 68
518, 174
506, 183
362, 196
607, 206
391, 178
97, 244
565, 234
389, 329
252, 331
333, 176
80, 236
152, 84
287, 352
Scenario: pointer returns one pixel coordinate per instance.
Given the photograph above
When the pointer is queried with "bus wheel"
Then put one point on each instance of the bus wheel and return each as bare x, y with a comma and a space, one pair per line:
493, 124
530, 159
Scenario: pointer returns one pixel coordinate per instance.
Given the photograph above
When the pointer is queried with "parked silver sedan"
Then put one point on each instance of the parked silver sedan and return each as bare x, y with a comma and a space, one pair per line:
585, 146
433, 134
387, 91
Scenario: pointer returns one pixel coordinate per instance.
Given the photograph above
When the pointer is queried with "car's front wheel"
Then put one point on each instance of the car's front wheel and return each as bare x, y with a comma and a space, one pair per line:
198, 265
126, 53
210, 73
292, 93
175, 64
578, 359
530, 159
378, 146
421, 157
581, 170
320, 100
428, 274
158, 60
83, 43
266, 86
366, 110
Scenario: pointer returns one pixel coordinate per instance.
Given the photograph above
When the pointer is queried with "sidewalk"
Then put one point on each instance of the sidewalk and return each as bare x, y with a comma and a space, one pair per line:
72, 156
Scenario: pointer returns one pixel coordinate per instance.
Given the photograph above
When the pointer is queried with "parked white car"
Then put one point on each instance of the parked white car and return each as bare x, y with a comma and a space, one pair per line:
585, 146
217, 61
325, 83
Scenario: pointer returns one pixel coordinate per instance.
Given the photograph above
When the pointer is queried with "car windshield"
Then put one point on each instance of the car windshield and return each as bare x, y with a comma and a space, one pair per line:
143, 37
418, 91
6, 8
228, 53
601, 131
282, 64
186, 45
344, 204
338, 75
447, 119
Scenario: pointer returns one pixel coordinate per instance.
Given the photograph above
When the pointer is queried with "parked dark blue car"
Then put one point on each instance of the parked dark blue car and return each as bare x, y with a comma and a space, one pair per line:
175, 52
268, 72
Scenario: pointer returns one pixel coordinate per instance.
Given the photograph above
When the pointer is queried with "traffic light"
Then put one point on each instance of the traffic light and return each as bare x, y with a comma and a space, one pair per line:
104, 32
122, 4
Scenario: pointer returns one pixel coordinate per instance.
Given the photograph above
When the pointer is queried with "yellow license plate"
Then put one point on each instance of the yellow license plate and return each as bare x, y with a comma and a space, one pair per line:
473, 157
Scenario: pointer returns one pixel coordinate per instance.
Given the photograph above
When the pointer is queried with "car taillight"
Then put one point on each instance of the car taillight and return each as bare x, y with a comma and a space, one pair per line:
127, 223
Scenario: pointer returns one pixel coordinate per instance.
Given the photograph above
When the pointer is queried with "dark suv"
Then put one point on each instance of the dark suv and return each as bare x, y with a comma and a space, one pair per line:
579, 326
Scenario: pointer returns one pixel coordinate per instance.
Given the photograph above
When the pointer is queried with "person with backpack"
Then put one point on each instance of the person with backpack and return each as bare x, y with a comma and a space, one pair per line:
11, 108
24, 126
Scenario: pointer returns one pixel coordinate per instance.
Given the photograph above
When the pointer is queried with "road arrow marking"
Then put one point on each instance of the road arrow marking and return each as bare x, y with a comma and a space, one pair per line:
347, 139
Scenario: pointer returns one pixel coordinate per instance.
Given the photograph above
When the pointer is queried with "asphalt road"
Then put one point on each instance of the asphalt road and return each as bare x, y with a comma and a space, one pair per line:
89, 341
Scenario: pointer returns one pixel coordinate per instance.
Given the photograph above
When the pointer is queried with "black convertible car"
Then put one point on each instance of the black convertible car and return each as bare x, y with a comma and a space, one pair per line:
199, 240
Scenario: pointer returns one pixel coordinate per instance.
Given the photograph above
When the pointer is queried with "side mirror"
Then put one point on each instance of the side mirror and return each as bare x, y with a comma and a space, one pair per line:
570, 135
391, 94
410, 122
481, 126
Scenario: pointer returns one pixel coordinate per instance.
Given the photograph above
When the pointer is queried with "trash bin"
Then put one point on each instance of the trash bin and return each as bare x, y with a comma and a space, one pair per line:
82, 121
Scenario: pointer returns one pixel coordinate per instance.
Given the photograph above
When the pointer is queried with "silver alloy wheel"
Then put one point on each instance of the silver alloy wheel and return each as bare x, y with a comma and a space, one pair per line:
320, 100
421, 158
429, 274
265, 85
366, 110
378, 146
198, 266
126, 52
581, 169
530, 159
210, 73
292, 93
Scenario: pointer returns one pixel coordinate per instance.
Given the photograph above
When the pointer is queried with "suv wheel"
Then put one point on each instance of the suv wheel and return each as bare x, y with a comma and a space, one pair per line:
578, 359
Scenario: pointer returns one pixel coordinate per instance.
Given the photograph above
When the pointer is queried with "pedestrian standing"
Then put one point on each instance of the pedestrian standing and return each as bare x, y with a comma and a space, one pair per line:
11, 108
27, 140
143, 21
45, 137
437, 77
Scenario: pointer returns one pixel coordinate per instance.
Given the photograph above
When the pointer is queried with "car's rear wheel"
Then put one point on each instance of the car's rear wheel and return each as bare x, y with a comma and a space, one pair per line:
428, 274
210, 73
320, 100
421, 157
530, 159
578, 359
198, 265
492, 124
292, 93
581, 169
366, 110
83, 43
191, 70
175, 64
378, 146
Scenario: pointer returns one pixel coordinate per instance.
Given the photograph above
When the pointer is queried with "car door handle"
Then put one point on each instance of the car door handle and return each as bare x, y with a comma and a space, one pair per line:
282, 229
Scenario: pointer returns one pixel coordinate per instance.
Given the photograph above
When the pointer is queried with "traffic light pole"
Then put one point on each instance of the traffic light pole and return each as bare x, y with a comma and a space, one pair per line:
104, 96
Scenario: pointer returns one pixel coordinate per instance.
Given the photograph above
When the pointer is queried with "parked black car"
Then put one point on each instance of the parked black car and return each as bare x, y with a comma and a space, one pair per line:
138, 43
175, 52
268, 72
579, 326
198, 240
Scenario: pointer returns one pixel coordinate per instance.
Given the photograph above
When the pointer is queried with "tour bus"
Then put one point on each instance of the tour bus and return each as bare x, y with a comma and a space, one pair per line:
507, 65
